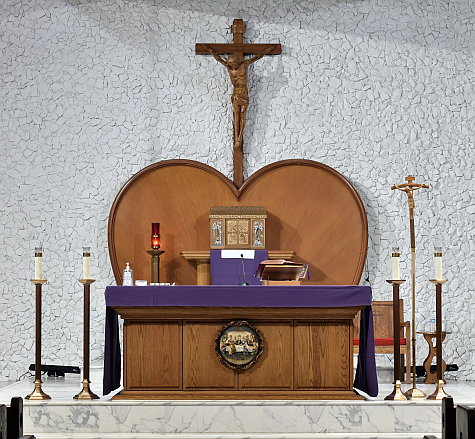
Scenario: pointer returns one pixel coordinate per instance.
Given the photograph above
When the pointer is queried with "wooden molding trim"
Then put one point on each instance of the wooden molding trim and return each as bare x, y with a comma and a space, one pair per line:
204, 255
328, 394
214, 313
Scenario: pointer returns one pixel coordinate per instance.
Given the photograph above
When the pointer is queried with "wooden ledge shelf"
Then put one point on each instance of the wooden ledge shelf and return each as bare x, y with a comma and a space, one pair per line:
202, 258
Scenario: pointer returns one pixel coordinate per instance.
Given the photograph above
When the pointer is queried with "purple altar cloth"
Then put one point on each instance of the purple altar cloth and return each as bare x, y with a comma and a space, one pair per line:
316, 296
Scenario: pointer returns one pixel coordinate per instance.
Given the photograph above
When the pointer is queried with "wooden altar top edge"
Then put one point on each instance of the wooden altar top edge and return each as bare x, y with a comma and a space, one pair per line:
225, 312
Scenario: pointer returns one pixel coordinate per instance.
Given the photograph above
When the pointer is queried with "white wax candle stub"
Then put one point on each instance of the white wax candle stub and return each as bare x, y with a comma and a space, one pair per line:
86, 267
438, 268
86, 262
38, 267
396, 273
438, 262
38, 263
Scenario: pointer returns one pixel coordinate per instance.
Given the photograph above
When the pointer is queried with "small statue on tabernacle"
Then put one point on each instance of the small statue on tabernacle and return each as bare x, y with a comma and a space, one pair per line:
258, 232
217, 232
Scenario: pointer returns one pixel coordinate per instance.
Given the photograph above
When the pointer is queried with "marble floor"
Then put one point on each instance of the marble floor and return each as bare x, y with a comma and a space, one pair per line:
63, 417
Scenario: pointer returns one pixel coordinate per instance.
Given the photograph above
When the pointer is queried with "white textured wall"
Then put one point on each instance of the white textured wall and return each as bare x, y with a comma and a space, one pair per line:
91, 92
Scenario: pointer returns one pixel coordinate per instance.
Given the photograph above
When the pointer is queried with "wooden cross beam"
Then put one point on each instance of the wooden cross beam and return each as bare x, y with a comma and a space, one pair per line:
237, 70
410, 179
237, 47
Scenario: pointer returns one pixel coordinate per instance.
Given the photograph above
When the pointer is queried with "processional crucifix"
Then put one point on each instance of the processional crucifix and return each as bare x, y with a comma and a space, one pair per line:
409, 188
237, 69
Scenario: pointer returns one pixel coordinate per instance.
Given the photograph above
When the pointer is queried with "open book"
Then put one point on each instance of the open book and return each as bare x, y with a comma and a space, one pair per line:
280, 269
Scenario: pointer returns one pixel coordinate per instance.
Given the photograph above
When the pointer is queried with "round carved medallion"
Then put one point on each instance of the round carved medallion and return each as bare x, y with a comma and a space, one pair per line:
239, 345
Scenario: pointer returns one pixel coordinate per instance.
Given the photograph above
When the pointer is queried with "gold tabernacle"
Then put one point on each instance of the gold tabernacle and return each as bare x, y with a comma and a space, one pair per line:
237, 227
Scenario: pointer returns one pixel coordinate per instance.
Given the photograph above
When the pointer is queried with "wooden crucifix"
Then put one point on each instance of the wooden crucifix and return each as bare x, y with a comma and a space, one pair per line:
237, 69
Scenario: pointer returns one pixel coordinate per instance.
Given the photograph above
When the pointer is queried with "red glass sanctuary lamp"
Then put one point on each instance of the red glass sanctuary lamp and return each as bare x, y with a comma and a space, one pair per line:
155, 236
155, 253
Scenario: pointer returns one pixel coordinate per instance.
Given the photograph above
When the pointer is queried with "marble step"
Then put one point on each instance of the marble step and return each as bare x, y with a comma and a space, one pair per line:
64, 418
233, 419
232, 436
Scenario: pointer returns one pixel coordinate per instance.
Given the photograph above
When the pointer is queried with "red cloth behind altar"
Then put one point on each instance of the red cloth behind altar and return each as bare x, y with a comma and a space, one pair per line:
316, 296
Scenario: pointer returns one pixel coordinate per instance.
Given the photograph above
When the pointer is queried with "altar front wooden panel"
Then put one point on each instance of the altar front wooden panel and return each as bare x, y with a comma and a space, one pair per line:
169, 353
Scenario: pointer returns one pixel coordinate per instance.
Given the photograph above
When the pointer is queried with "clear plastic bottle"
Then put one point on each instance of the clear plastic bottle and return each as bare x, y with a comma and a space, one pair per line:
432, 325
128, 278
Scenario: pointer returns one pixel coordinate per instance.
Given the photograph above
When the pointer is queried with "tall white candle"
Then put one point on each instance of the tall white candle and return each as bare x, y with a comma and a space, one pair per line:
438, 262
395, 264
86, 262
38, 263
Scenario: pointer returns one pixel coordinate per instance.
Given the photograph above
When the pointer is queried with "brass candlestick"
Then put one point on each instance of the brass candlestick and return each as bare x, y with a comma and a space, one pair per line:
86, 392
396, 394
38, 394
155, 253
439, 391
409, 188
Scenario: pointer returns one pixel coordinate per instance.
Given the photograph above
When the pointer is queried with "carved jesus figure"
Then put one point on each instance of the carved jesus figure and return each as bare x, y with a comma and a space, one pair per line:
409, 188
240, 99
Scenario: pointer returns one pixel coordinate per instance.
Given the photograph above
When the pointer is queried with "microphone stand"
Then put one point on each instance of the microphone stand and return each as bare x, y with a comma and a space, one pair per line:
243, 271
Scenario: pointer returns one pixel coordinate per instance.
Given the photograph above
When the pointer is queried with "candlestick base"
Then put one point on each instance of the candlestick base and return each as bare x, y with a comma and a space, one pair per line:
414, 394
37, 394
87, 281
86, 392
438, 281
439, 393
38, 281
396, 394
395, 281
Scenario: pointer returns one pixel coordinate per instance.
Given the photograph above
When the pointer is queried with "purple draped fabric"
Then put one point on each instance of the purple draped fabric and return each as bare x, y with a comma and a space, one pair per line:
320, 296
229, 271
111, 379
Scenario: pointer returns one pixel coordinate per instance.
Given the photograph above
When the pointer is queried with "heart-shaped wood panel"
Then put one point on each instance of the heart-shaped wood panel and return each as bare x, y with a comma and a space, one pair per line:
312, 210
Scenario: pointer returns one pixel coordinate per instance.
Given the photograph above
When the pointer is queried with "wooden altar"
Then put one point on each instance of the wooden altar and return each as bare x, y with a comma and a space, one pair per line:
168, 347
169, 351
169, 354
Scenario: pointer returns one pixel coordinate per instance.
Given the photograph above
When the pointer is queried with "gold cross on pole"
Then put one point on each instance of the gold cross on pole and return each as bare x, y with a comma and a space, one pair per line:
409, 187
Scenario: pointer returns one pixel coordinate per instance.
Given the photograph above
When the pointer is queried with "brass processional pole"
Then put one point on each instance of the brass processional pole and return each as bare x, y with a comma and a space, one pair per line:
409, 188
